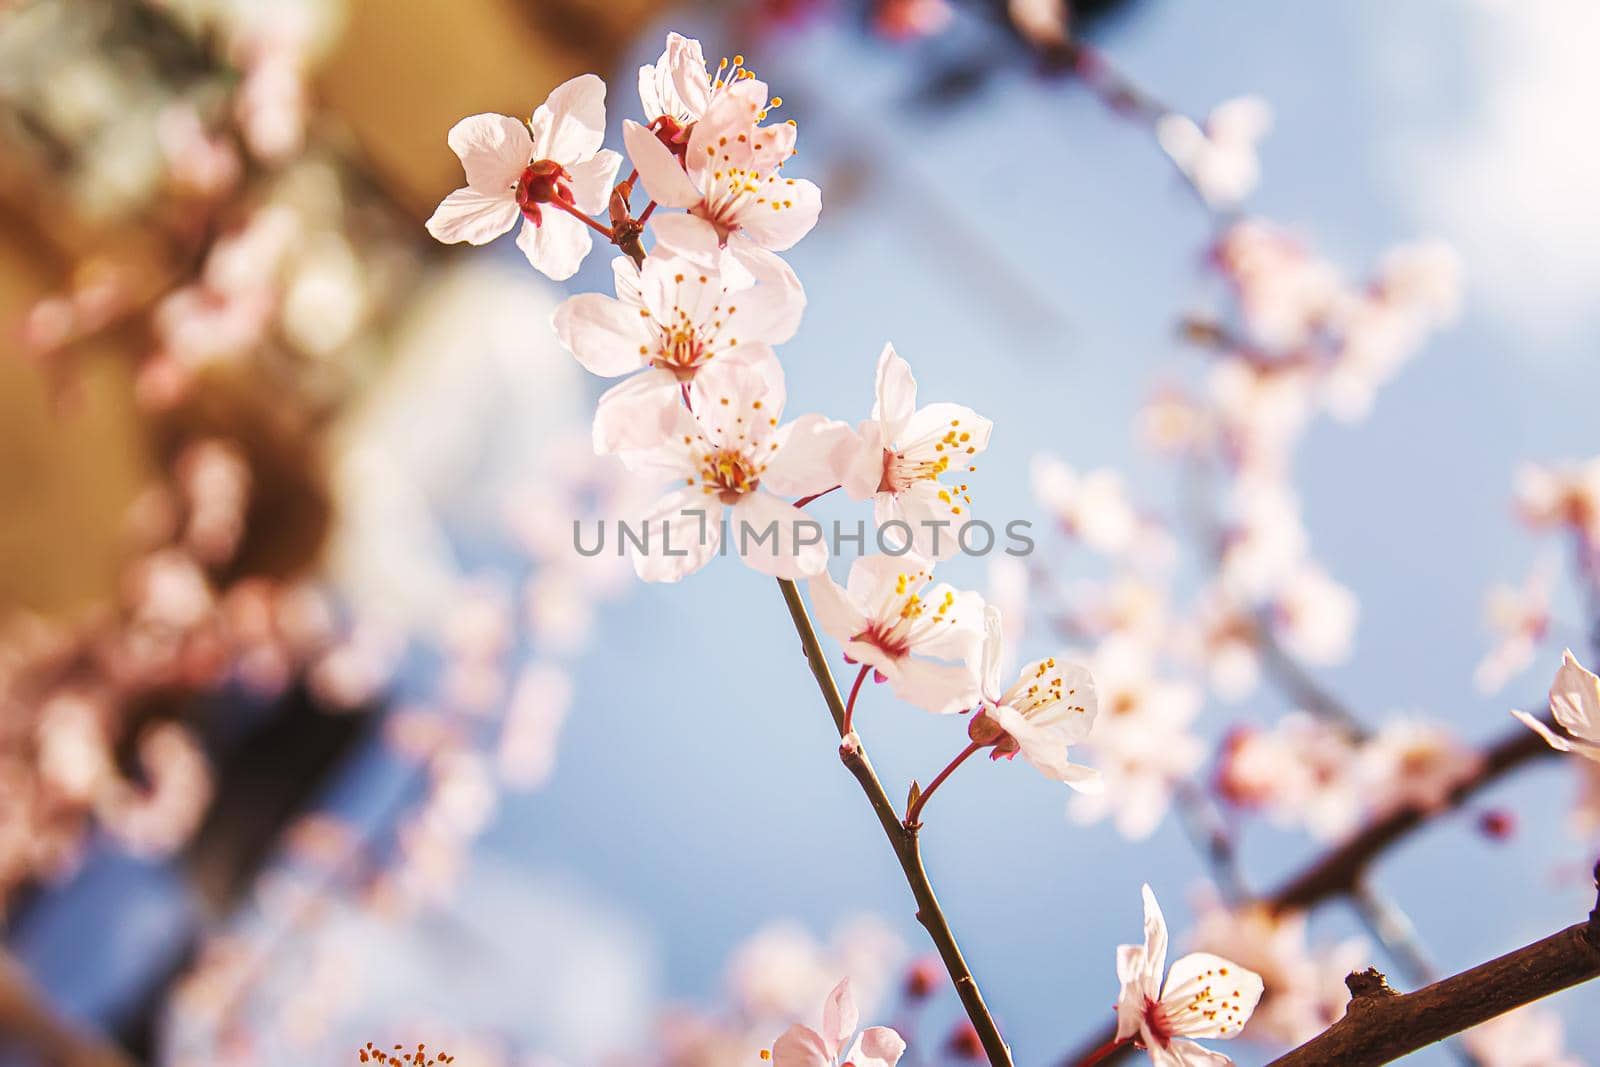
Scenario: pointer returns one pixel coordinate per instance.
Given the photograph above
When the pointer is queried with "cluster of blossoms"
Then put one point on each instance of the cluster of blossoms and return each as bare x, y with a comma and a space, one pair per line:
241, 254
1291, 338
76, 695
691, 330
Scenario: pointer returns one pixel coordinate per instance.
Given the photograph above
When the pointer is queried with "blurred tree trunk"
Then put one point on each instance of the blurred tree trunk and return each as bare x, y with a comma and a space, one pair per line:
29, 1024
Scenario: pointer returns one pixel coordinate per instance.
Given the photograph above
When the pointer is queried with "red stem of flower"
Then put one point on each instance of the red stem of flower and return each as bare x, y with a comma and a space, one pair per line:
803, 501
850, 705
1102, 1052
913, 816
604, 231
684, 388
649, 209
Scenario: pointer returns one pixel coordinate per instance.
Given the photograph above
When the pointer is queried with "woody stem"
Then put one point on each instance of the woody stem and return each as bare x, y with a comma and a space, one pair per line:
906, 845
913, 816
1103, 1051
604, 231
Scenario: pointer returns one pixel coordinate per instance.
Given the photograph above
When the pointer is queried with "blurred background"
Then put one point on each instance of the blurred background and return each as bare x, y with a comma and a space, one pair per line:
313, 730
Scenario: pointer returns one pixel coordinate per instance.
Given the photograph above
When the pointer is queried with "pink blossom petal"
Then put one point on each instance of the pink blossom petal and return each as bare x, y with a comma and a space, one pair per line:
840, 1017
659, 170
592, 181
794, 549
942, 688
812, 457
896, 394
470, 216
1208, 996
800, 1046
493, 150
556, 246
640, 412
607, 336
878, 1046
570, 126
786, 213
683, 530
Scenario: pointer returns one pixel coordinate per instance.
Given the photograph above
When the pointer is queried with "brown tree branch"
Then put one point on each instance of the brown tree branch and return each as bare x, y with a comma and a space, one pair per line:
1340, 872
903, 838
29, 1023
1380, 1025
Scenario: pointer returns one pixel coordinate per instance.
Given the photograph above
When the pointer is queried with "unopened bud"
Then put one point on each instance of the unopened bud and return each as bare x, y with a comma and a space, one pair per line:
923, 978
963, 1043
1497, 824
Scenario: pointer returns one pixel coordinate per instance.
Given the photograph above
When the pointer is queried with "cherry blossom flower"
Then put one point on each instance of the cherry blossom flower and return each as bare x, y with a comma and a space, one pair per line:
1575, 702
1314, 616
1262, 407
1092, 506
542, 172
1223, 636
730, 171
1304, 984
1562, 495
673, 317
1302, 772
1203, 996
902, 453
780, 970
733, 456
1129, 605
1285, 292
1050, 708
540, 700
1519, 617
1220, 159
676, 87
1141, 739
1409, 763
801, 1046
887, 618
1265, 542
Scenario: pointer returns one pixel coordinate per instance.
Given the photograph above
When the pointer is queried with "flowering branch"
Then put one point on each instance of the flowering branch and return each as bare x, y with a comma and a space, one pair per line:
903, 838
1340, 871
1380, 1025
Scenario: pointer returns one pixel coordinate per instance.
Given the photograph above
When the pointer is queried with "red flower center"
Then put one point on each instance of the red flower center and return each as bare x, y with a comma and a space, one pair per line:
544, 181
1157, 1023
674, 134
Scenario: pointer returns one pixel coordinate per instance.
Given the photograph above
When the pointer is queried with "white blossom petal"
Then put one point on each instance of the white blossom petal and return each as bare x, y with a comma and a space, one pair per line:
470, 216
493, 149
557, 245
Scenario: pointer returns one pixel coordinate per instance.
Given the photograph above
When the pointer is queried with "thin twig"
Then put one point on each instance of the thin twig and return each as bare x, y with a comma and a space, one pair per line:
905, 841
1211, 838
1298, 684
